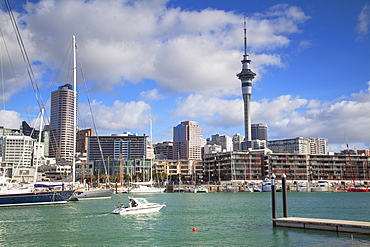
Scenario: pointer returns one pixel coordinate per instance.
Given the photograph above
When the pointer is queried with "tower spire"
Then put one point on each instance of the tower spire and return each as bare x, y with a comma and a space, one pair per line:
245, 38
246, 76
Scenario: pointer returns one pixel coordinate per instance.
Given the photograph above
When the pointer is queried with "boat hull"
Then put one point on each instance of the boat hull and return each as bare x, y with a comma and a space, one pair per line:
358, 189
35, 198
138, 210
146, 189
94, 194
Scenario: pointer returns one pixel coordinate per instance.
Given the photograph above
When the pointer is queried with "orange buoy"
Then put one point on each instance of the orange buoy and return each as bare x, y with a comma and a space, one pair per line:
194, 229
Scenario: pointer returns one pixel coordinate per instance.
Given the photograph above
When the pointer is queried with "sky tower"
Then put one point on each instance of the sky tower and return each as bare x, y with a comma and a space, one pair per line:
246, 76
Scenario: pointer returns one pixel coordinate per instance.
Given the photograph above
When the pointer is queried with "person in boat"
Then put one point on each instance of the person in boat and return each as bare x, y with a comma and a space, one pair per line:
132, 203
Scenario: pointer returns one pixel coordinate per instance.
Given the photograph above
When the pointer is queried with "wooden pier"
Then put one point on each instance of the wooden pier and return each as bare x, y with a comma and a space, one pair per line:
324, 224
311, 223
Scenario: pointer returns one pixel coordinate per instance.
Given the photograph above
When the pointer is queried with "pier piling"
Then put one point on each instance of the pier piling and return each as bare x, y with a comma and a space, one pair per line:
285, 198
273, 197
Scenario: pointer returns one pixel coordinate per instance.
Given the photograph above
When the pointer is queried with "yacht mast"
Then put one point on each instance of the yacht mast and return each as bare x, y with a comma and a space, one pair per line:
38, 147
74, 108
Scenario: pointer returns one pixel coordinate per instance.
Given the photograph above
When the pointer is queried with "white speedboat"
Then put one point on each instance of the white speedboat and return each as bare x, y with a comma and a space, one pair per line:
138, 206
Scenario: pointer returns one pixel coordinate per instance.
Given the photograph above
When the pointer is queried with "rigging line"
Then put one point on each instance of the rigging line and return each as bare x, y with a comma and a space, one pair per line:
92, 116
25, 57
2, 77
55, 79
53, 145
11, 65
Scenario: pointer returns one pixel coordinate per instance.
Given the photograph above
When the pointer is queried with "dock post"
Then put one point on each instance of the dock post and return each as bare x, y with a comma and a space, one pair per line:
273, 197
285, 199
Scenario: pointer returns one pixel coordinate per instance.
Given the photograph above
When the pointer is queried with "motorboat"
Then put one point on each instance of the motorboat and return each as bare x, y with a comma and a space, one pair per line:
229, 189
358, 189
198, 189
138, 206
178, 189
266, 186
322, 186
302, 188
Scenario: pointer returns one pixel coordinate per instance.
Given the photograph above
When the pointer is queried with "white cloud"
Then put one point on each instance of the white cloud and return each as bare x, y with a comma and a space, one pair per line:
119, 117
184, 51
214, 111
10, 119
151, 95
362, 27
363, 95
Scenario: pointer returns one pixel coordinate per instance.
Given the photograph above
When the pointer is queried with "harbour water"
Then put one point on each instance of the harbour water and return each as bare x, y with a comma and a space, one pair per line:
220, 219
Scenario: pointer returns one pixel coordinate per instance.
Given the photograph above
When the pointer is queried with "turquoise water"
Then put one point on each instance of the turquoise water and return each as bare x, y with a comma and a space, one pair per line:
221, 219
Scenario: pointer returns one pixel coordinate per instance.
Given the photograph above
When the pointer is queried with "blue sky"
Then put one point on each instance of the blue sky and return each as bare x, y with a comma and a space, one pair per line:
172, 61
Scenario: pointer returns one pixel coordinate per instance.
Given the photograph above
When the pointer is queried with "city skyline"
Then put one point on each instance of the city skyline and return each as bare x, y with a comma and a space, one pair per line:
172, 61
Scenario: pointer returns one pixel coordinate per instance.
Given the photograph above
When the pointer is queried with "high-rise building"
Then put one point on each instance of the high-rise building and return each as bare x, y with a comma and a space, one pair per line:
259, 131
164, 150
81, 140
224, 141
62, 124
33, 133
237, 140
187, 141
246, 76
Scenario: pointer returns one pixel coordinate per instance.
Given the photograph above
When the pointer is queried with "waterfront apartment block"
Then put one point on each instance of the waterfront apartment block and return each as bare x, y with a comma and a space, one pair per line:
186, 168
235, 166
187, 141
133, 170
299, 145
117, 146
258, 165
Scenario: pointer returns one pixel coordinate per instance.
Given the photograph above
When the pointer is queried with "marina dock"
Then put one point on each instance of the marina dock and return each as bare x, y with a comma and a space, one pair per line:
324, 224
311, 223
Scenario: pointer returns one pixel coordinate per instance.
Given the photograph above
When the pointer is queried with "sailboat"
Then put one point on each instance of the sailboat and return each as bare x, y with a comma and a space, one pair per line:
83, 192
13, 193
36, 193
147, 187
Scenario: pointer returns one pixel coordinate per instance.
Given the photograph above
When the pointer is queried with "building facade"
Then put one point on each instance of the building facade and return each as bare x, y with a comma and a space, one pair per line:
257, 165
224, 141
81, 140
299, 145
259, 131
117, 146
187, 141
16, 150
34, 134
237, 140
62, 123
164, 150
